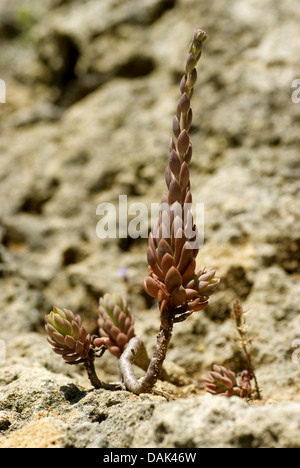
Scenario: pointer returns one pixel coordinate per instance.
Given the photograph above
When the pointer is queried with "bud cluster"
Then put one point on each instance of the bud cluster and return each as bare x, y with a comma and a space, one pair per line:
67, 335
116, 323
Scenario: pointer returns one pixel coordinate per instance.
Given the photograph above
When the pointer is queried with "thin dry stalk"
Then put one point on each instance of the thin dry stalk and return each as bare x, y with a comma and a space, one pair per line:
239, 318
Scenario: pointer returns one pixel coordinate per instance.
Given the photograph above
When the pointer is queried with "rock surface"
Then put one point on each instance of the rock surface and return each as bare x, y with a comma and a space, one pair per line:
91, 91
43, 410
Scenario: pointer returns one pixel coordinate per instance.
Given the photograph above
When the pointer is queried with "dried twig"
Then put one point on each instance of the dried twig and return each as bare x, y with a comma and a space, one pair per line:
239, 318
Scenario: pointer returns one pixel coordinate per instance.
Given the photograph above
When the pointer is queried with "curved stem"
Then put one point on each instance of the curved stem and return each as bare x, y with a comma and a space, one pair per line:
163, 339
129, 357
95, 381
125, 365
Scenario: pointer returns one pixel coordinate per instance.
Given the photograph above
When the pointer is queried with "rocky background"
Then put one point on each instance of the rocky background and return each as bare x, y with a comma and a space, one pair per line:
92, 87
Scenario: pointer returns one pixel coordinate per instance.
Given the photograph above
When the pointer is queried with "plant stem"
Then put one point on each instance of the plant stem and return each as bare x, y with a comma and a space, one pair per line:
239, 317
89, 364
162, 342
130, 356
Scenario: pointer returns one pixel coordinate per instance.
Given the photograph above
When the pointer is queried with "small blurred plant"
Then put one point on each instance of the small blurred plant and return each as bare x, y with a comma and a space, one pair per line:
25, 18
223, 381
173, 279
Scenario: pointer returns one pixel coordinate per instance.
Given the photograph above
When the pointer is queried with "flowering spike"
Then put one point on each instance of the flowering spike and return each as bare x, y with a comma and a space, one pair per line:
172, 276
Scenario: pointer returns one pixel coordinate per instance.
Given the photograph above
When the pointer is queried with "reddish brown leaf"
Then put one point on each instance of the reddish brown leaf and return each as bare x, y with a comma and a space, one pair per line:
173, 279
175, 194
178, 296
183, 142
163, 249
167, 263
184, 104
184, 176
185, 259
176, 127
151, 287
175, 164
189, 272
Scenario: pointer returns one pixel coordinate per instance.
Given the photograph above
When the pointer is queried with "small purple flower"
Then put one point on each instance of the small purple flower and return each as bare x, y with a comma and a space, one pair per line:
123, 272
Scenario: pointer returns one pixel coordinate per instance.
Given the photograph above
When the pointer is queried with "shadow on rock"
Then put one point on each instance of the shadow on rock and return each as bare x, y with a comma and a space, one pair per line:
72, 393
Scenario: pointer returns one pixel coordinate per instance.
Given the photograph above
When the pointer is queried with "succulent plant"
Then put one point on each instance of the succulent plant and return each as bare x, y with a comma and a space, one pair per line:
245, 384
173, 278
172, 250
223, 382
67, 335
115, 323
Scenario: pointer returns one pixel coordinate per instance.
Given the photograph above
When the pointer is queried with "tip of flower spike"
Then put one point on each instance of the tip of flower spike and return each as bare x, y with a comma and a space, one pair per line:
196, 46
200, 35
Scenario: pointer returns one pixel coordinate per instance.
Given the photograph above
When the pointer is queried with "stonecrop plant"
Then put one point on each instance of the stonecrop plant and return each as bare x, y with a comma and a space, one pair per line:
173, 278
222, 381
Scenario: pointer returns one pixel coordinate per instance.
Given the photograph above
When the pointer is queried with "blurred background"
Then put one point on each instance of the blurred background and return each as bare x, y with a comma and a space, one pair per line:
91, 90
